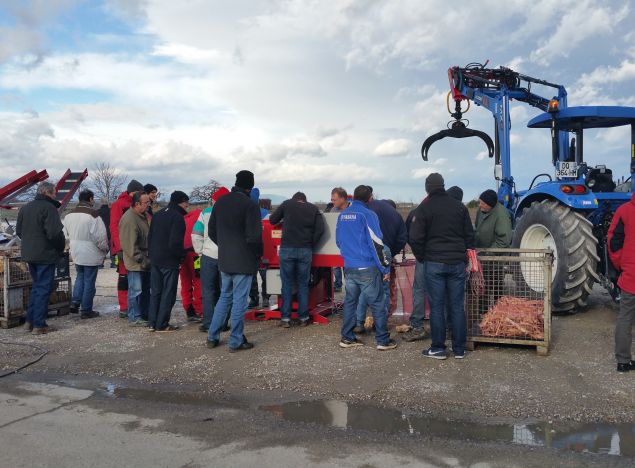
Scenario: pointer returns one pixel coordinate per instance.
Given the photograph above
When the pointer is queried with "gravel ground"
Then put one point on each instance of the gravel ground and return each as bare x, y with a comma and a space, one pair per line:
577, 381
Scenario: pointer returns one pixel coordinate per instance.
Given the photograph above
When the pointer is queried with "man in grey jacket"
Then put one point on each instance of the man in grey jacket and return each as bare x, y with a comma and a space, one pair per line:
40, 229
133, 233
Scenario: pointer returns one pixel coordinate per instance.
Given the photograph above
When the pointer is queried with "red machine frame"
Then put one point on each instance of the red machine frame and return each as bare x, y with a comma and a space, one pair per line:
320, 304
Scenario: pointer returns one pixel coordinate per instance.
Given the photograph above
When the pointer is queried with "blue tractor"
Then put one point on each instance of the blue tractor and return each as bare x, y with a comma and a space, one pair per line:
568, 211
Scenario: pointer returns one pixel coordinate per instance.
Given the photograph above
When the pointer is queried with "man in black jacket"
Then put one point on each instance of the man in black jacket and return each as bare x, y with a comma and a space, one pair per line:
302, 228
41, 231
236, 228
165, 248
440, 234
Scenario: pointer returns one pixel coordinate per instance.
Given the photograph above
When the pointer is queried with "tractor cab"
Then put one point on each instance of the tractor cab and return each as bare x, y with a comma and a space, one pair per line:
570, 162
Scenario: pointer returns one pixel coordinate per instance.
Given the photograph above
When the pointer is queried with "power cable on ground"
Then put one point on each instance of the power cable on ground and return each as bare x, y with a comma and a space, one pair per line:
43, 352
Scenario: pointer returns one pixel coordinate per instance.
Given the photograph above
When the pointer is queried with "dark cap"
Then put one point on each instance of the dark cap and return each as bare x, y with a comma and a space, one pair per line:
245, 180
434, 182
299, 196
134, 186
455, 192
179, 197
489, 197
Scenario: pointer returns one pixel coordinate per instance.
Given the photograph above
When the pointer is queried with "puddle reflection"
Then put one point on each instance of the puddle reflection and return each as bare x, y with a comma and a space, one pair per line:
612, 439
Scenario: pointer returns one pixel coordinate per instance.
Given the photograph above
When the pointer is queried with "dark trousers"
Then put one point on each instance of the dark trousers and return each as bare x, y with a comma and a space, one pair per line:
446, 283
624, 328
43, 277
163, 284
253, 291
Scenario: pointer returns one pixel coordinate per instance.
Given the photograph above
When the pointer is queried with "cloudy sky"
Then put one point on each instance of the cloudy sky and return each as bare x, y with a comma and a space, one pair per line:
307, 94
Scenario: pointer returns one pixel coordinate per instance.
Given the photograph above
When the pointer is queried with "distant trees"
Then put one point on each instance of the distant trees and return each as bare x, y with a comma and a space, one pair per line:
203, 193
107, 181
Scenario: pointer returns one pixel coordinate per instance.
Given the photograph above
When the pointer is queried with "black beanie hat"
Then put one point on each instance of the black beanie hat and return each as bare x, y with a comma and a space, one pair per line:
134, 186
434, 182
489, 197
147, 188
245, 180
178, 197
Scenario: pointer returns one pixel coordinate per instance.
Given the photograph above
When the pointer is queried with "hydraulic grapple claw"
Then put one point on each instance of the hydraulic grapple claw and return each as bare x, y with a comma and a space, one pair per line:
457, 130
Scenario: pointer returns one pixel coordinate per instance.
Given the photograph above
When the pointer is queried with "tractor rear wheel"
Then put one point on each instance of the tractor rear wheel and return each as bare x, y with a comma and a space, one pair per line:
550, 225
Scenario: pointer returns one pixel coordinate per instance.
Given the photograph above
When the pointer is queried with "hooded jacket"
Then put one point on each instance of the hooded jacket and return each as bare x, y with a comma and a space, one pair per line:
236, 228
41, 231
87, 234
117, 210
441, 230
358, 236
255, 196
165, 241
190, 220
621, 240
392, 226
133, 230
493, 229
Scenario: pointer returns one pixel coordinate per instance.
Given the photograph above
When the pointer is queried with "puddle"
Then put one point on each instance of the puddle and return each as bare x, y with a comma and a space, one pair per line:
179, 398
612, 439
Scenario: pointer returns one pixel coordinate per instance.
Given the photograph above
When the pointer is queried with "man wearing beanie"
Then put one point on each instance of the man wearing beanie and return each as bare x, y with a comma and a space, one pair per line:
493, 223
117, 210
440, 234
165, 247
236, 228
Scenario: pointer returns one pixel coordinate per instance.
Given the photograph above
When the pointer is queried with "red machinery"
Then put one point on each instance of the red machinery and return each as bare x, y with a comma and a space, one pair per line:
326, 256
11, 191
66, 187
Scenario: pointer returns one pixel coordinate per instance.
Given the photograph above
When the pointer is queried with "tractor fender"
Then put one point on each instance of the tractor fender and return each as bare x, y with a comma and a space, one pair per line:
551, 191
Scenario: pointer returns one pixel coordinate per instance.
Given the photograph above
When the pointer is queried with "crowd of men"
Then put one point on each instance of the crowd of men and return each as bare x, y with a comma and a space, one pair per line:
216, 254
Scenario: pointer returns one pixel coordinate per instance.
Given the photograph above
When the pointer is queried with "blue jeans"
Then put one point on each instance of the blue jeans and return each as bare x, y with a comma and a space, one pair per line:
163, 285
138, 295
210, 287
295, 269
366, 282
84, 289
418, 296
363, 300
362, 305
338, 278
234, 294
446, 282
43, 277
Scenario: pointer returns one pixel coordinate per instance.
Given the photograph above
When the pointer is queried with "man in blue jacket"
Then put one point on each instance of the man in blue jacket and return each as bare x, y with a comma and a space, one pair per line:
358, 237
394, 237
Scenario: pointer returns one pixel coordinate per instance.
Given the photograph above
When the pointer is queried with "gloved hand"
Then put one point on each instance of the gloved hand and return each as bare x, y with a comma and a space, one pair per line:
197, 266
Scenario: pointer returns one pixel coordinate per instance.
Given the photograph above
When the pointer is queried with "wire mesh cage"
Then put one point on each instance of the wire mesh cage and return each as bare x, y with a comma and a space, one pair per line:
15, 279
508, 299
15, 287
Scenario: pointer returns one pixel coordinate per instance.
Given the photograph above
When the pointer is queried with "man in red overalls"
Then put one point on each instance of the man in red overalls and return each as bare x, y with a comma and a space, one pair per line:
189, 274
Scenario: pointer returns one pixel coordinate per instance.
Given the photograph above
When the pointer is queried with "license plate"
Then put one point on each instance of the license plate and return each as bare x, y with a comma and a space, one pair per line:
566, 169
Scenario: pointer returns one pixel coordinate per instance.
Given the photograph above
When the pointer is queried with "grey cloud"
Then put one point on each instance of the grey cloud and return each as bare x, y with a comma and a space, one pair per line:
26, 37
128, 10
